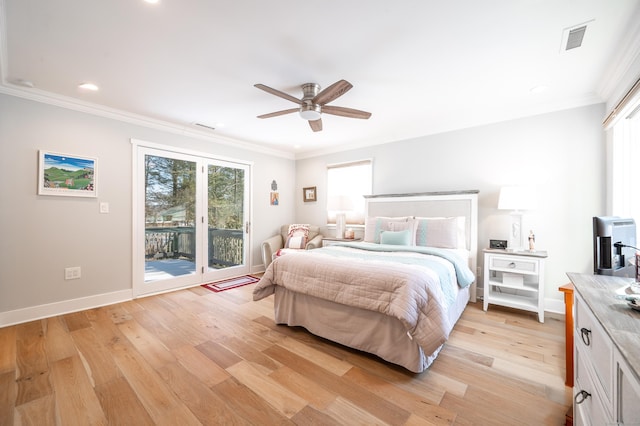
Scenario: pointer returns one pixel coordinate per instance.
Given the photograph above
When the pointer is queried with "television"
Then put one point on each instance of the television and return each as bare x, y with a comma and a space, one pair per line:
614, 240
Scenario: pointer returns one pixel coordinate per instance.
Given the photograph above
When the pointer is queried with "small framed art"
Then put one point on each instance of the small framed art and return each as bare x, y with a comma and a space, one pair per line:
309, 194
67, 175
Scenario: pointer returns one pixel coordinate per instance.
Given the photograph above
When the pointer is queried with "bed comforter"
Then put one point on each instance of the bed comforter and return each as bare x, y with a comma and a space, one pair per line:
413, 284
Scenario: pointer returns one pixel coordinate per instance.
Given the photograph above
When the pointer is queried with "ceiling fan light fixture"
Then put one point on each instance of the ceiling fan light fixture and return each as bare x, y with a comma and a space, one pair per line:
310, 112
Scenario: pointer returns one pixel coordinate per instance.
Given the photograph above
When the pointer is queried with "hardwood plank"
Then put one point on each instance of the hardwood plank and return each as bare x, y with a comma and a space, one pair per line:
247, 405
366, 400
329, 363
31, 359
316, 395
310, 417
279, 397
76, 402
198, 364
346, 412
76, 321
8, 352
205, 404
58, 341
100, 366
38, 412
120, 404
219, 354
156, 396
147, 344
7, 397
415, 404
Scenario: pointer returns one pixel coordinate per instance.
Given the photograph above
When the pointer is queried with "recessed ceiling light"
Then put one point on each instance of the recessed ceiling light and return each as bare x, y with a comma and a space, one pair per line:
88, 86
152, 1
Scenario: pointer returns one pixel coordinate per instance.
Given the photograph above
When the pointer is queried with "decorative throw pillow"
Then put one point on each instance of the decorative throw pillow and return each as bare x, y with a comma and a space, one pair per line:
397, 238
297, 236
373, 226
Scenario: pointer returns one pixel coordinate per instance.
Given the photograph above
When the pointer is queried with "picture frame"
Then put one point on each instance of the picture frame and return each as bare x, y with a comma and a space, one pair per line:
309, 194
67, 175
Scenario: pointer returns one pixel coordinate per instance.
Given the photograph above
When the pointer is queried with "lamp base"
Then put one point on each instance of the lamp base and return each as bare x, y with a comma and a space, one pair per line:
515, 235
341, 220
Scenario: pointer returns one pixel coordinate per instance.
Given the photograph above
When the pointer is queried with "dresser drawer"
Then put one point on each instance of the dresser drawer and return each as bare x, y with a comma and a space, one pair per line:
589, 409
595, 346
513, 264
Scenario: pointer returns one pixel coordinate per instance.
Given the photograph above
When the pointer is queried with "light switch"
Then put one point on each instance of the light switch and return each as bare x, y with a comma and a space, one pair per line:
104, 207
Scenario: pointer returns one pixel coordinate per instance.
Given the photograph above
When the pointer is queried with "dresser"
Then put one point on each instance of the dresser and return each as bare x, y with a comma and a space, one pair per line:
606, 352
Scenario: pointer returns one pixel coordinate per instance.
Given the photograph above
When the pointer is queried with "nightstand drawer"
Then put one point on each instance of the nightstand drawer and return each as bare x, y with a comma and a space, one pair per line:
513, 264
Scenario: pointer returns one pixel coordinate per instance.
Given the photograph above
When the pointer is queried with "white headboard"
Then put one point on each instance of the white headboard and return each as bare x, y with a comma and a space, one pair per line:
434, 204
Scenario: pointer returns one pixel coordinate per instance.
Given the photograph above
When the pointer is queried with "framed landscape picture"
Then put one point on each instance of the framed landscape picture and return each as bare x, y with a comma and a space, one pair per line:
67, 175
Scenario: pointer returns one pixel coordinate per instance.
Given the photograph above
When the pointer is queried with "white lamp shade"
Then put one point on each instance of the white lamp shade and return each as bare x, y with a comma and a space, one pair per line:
517, 198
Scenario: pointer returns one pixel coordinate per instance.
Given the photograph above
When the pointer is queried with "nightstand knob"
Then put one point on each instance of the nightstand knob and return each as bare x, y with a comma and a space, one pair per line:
512, 265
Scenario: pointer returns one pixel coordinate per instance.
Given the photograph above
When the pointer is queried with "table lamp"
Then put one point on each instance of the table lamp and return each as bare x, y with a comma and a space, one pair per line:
516, 199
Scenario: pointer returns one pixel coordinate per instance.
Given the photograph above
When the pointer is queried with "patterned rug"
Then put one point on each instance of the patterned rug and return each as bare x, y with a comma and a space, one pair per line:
223, 285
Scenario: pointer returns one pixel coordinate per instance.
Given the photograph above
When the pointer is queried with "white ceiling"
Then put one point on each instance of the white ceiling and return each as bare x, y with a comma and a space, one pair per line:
419, 66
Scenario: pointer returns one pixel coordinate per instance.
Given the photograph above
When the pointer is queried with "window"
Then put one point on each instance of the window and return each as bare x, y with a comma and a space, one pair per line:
625, 171
347, 183
624, 121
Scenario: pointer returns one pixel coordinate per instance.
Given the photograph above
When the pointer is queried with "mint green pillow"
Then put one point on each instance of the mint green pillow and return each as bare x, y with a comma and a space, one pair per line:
396, 238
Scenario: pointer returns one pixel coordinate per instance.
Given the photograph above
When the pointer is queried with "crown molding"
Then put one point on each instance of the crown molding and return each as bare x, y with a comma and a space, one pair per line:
41, 96
620, 75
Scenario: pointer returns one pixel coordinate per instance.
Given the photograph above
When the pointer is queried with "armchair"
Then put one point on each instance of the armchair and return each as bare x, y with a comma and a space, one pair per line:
275, 243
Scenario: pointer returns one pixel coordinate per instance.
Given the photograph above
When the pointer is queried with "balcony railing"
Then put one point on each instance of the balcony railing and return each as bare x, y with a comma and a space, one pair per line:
225, 245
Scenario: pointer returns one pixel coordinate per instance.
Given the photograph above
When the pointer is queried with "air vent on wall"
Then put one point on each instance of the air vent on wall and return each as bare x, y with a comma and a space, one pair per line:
573, 37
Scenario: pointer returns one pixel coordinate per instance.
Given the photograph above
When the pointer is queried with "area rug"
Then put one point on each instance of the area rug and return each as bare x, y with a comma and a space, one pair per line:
223, 285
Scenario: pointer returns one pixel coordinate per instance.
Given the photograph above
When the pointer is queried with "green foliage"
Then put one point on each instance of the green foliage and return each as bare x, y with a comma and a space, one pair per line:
55, 177
171, 187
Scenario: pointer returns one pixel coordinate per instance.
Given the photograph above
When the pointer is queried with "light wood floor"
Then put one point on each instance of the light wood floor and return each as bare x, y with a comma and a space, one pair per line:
198, 357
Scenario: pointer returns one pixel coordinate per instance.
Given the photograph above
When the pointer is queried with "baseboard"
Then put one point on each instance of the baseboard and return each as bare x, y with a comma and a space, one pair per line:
19, 316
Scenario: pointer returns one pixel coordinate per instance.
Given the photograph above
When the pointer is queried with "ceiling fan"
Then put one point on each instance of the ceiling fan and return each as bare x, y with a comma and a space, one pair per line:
314, 103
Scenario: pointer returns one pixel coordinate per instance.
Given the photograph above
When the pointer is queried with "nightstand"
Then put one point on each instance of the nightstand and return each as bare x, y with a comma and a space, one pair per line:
515, 279
327, 241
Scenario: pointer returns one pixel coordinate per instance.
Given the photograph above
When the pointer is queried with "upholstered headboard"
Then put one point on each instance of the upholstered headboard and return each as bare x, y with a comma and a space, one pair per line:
434, 204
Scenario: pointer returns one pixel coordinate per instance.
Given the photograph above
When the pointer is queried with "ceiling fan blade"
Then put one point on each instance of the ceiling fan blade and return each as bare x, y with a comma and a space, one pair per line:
277, 113
332, 92
316, 125
278, 93
346, 112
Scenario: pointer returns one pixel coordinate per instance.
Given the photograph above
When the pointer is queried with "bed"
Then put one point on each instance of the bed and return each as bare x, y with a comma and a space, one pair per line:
398, 293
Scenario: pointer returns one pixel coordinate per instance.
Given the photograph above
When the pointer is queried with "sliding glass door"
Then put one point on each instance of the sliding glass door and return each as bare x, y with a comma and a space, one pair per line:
192, 217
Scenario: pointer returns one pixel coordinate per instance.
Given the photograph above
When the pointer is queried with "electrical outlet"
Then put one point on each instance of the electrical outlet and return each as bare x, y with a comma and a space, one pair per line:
72, 273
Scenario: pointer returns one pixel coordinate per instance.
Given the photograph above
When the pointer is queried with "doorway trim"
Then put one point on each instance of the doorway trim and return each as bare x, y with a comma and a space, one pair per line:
138, 261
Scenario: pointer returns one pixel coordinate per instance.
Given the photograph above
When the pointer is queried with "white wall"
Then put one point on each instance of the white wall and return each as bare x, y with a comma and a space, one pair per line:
561, 153
41, 235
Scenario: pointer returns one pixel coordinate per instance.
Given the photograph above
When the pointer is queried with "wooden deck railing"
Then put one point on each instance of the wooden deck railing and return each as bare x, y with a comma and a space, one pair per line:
225, 245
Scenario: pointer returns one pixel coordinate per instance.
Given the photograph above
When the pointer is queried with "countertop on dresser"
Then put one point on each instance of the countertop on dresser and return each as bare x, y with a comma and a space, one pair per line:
620, 321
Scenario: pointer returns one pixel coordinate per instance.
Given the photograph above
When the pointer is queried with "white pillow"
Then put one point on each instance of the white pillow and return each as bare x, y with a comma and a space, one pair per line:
443, 232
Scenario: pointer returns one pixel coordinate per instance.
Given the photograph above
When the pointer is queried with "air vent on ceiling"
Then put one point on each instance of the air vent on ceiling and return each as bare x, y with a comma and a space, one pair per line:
573, 37
204, 126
